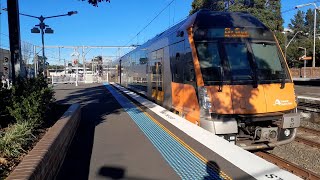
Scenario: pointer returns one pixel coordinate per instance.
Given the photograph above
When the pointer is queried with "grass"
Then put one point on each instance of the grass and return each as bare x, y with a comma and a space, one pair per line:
14, 141
15, 138
19, 138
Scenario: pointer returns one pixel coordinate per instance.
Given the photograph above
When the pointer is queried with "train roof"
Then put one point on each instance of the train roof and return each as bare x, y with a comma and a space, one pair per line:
207, 18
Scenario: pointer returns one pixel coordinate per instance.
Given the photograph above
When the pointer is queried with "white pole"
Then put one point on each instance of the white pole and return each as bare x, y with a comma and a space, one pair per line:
77, 73
305, 63
35, 61
314, 37
84, 64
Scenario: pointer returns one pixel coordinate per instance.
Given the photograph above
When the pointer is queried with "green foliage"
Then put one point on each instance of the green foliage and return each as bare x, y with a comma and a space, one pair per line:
214, 5
26, 104
297, 23
95, 2
6, 100
302, 22
14, 140
281, 39
31, 99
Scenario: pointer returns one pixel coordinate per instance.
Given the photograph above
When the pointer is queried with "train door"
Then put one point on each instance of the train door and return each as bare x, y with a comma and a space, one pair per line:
176, 64
155, 66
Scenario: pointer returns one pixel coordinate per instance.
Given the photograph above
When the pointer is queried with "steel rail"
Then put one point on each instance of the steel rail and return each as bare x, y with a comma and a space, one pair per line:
284, 164
307, 142
308, 130
312, 107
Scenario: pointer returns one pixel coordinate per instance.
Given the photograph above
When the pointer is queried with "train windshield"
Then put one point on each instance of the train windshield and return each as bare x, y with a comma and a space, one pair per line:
240, 60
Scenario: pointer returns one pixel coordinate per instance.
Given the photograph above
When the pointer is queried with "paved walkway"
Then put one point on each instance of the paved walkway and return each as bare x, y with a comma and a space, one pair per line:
108, 144
308, 91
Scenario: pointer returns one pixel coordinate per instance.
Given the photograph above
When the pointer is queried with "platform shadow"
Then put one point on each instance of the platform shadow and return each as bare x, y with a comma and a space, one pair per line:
213, 171
96, 102
109, 172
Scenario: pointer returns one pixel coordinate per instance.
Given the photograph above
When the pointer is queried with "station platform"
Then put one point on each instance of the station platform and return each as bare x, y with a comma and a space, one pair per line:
124, 136
308, 93
307, 81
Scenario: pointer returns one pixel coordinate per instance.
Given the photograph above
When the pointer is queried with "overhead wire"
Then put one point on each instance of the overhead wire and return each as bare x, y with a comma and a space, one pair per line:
292, 9
150, 22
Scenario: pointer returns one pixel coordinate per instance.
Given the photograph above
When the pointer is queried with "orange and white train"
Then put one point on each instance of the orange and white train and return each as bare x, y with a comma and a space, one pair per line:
223, 71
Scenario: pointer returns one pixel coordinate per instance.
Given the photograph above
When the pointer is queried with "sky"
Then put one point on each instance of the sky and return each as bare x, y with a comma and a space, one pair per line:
111, 24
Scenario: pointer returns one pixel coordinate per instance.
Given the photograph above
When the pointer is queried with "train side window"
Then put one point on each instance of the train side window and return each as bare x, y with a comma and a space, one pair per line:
177, 61
189, 73
143, 57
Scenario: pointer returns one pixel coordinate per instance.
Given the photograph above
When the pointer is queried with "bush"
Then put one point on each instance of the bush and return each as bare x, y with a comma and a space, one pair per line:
5, 101
31, 100
15, 139
26, 105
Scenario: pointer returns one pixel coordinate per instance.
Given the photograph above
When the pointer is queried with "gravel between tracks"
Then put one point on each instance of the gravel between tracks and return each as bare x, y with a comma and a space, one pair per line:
311, 125
301, 154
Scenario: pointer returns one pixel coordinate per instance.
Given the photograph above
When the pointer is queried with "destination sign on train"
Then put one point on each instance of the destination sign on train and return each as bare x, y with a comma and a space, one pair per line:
235, 33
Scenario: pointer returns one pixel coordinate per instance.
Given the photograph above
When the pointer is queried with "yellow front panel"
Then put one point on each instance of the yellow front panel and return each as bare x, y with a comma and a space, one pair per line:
279, 99
248, 100
221, 101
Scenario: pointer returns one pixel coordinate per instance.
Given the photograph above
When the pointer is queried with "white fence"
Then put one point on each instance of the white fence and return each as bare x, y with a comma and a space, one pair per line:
72, 79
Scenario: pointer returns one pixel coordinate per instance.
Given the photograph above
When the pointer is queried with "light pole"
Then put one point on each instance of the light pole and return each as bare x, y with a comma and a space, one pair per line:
314, 29
305, 62
285, 50
76, 62
45, 29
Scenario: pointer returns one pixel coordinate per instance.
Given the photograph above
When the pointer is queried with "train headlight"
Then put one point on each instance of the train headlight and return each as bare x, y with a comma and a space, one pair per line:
287, 132
204, 98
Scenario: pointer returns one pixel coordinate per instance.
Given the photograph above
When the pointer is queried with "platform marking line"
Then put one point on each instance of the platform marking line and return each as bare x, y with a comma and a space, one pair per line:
180, 158
194, 152
308, 98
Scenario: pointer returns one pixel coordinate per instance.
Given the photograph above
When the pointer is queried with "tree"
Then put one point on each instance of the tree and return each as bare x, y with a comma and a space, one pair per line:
214, 5
95, 2
309, 21
298, 23
302, 22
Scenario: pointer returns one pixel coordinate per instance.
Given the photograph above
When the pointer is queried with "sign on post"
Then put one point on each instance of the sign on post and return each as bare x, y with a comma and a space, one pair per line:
6, 67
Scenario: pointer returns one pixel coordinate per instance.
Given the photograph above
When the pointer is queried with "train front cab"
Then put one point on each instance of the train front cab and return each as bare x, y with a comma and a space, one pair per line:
244, 89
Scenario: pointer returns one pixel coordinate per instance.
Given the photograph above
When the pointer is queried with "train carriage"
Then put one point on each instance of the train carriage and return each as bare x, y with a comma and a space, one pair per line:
223, 71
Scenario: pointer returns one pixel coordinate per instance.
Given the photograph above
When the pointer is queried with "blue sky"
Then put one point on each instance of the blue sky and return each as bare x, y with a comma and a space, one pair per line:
112, 23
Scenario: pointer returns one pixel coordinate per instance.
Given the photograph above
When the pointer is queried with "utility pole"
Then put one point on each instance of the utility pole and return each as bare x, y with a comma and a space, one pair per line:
14, 36
84, 64
35, 61
314, 29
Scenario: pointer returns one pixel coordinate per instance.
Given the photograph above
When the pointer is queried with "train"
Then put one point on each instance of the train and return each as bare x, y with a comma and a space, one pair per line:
223, 71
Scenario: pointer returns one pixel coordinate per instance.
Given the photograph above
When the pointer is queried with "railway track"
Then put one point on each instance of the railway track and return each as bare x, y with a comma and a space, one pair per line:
307, 106
308, 130
284, 164
307, 141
